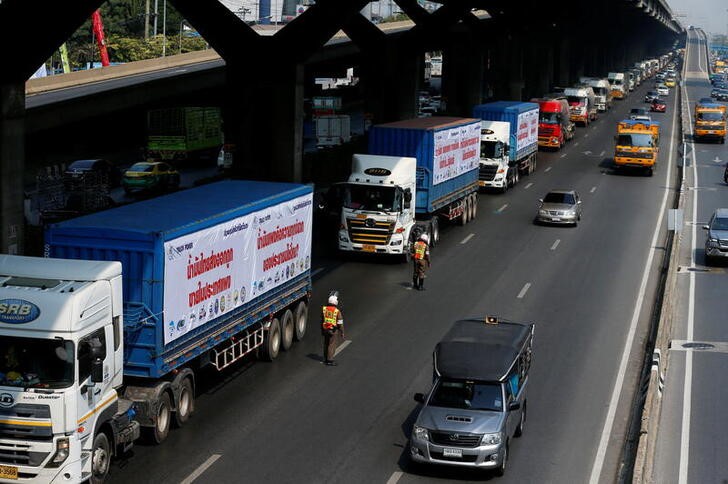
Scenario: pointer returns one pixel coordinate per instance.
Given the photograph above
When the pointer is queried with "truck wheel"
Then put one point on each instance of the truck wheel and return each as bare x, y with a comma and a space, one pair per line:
185, 403
272, 342
100, 458
466, 209
474, 212
300, 321
434, 231
158, 433
287, 330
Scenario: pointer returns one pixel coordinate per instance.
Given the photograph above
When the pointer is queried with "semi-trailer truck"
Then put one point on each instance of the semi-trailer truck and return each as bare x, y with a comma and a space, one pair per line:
602, 91
184, 133
508, 142
555, 127
109, 331
417, 172
582, 104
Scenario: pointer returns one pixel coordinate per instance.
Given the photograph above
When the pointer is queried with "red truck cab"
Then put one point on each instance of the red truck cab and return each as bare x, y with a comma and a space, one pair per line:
554, 126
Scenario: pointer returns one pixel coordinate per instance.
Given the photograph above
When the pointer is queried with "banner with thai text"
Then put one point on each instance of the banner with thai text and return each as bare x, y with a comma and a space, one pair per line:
211, 272
456, 152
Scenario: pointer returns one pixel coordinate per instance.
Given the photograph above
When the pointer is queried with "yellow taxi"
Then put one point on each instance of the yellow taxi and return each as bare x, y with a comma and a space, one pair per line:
150, 175
670, 82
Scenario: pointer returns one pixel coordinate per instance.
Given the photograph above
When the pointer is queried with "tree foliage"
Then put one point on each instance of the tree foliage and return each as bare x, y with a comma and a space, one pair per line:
124, 29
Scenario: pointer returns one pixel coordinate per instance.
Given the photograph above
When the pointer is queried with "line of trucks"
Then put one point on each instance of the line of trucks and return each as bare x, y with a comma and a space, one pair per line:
104, 337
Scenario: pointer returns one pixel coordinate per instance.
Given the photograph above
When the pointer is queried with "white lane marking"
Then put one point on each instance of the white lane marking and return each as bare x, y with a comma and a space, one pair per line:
563, 156
394, 478
602, 153
528, 186
202, 468
524, 290
548, 168
593, 189
619, 382
466, 239
316, 271
502, 208
688, 381
586, 135
342, 347
576, 144
556, 244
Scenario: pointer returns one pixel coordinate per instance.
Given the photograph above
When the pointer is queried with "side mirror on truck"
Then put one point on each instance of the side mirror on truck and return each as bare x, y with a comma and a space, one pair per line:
97, 361
420, 397
407, 198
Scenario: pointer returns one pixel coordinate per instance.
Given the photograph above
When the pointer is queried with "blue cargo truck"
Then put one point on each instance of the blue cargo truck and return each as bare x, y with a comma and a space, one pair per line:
417, 172
509, 142
113, 325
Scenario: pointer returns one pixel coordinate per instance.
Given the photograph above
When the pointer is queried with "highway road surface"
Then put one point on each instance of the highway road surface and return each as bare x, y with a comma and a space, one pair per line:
588, 289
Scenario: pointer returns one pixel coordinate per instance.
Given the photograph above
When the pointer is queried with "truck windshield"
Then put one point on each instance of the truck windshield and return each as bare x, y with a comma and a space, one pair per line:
638, 140
372, 198
576, 101
491, 149
36, 363
600, 91
549, 118
710, 117
470, 395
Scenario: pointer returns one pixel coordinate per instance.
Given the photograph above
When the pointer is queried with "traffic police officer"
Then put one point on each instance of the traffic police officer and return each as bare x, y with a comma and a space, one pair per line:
421, 260
332, 322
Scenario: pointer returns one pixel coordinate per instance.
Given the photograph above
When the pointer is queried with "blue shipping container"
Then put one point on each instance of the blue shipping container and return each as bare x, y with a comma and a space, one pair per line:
523, 117
416, 138
135, 235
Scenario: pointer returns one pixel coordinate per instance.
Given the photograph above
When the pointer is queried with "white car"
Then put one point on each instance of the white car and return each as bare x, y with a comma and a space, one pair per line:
662, 90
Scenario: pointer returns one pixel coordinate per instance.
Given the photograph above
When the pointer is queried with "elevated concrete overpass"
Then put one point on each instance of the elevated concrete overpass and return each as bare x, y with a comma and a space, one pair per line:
516, 50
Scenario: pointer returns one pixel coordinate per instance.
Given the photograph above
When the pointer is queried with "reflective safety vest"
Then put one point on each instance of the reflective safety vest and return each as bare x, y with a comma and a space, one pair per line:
331, 317
420, 249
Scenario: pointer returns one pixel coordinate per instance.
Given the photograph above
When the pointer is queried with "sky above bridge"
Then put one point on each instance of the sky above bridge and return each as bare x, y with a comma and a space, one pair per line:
710, 15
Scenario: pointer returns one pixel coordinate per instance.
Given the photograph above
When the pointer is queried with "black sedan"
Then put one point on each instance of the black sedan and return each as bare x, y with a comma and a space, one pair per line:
721, 95
96, 171
651, 96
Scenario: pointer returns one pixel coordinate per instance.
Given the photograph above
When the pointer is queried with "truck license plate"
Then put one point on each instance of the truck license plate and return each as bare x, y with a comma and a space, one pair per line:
8, 472
452, 453
368, 248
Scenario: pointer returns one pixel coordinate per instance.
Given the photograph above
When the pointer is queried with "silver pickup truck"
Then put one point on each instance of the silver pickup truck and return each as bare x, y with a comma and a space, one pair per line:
478, 400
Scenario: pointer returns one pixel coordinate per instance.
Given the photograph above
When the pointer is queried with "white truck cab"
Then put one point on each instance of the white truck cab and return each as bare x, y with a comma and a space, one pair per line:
61, 338
378, 205
495, 167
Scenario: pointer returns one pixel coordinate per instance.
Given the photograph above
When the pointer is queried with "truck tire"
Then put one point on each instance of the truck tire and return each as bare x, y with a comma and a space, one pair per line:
100, 458
287, 330
434, 231
272, 341
463, 219
159, 432
300, 321
474, 205
185, 403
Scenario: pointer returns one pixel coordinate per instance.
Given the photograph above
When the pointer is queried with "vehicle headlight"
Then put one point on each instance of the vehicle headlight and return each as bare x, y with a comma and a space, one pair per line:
492, 439
420, 433
570, 213
554, 140
396, 242
62, 450
543, 212
343, 237
713, 242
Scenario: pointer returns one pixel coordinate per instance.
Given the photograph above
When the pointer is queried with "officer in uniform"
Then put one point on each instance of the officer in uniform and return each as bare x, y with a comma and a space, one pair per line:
332, 322
421, 260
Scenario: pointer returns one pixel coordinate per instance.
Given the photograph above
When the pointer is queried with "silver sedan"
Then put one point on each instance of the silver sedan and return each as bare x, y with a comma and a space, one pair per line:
561, 207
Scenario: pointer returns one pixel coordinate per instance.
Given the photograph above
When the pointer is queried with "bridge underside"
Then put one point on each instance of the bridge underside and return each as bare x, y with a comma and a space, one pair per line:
516, 50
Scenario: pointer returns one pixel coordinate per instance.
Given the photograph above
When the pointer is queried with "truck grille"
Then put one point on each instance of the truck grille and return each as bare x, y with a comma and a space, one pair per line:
487, 172
369, 231
19, 455
546, 131
14, 423
455, 439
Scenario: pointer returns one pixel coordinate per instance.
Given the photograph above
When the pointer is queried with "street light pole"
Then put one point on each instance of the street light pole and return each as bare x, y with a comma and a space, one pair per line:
164, 30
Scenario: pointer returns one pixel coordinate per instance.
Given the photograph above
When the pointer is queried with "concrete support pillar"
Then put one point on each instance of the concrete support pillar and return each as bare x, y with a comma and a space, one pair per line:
263, 118
539, 75
507, 64
12, 166
562, 61
462, 76
390, 81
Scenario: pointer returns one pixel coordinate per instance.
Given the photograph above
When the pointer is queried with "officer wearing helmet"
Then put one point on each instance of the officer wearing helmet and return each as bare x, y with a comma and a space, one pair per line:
421, 260
332, 323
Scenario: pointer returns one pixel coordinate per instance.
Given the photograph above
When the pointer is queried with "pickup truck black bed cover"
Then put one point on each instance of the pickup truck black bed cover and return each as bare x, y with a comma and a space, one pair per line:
475, 350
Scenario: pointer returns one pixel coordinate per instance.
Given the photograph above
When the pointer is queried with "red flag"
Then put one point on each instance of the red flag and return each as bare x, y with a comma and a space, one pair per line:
98, 26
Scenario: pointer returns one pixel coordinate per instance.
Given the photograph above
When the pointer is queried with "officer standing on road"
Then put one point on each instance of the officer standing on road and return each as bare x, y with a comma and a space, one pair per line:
421, 260
332, 322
